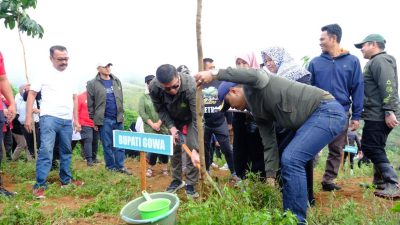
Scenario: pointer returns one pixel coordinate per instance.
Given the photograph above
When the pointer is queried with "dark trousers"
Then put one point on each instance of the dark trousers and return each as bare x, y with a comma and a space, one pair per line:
373, 142
222, 135
29, 139
89, 143
152, 158
8, 142
351, 158
2, 119
248, 150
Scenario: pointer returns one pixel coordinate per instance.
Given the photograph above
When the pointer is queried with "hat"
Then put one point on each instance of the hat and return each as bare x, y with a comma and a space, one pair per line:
103, 64
370, 38
148, 78
223, 89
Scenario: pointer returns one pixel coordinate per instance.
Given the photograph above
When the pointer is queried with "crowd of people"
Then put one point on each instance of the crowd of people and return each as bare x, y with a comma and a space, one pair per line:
281, 114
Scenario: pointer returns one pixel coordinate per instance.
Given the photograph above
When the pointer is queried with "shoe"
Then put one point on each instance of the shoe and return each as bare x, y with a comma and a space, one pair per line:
164, 171
6, 193
224, 167
89, 163
175, 185
392, 191
214, 166
96, 161
311, 202
39, 193
149, 172
330, 187
191, 192
74, 182
124, 171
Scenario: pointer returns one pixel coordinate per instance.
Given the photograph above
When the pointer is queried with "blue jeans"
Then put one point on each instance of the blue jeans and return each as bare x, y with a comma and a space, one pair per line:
326, 122
50, 127
113, 157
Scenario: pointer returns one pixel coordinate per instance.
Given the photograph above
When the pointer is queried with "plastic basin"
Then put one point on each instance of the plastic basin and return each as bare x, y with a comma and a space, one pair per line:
130, 212
154, 208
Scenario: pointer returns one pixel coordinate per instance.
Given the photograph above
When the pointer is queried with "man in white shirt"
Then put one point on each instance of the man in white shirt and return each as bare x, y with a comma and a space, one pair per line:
57, 111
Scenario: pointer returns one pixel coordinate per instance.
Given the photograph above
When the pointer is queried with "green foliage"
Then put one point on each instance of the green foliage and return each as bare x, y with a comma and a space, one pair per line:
24, 214
129, 117
396, 208
14, 14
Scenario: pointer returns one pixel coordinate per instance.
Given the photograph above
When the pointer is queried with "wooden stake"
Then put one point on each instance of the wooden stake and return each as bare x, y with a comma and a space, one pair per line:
143, 170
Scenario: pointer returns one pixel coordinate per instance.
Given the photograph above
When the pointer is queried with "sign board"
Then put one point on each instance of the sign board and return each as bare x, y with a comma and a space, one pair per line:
146, 142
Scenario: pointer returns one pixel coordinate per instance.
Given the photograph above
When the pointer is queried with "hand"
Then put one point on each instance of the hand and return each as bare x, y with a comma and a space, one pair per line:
203, 77
77, 126
28, 124
354, 125
36, 110
96, 128
175, 134
195, 158
391, 120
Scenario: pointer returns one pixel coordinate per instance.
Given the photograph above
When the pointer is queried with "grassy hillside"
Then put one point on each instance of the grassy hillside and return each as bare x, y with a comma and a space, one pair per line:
132, 91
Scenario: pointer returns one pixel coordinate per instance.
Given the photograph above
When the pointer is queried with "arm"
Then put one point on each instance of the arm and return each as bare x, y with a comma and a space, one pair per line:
357, 92
7, 93
142, 113
90, 99
29, 106
311, 70
271, 154
160, 107
77, 126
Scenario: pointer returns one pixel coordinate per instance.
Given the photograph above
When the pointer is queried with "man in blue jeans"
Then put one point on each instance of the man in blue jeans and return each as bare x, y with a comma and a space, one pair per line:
105, 106
315, 116
58, 108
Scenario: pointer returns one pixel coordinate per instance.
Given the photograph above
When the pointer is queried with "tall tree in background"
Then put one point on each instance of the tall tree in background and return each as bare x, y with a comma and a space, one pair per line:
14, 14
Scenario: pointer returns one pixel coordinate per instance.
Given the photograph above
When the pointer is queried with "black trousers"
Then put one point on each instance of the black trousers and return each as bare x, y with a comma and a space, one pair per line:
373, 142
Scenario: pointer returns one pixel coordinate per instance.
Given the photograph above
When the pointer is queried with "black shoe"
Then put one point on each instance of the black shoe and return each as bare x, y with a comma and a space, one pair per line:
124, 171
54, 165
6, 193
175, 185
330, 187
90, 163
191, 192
96, 161
311, 202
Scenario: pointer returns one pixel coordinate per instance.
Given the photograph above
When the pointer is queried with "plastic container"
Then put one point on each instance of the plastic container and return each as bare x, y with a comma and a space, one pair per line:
153, 207
131, 215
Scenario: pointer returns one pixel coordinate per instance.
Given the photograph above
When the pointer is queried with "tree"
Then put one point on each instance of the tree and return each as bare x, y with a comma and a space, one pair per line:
14, 14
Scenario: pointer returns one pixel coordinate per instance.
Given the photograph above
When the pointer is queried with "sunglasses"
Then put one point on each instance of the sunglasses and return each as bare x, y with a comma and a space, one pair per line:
176, 86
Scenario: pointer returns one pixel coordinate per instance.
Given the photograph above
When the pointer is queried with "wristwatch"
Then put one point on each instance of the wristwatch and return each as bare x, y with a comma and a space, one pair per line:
388, 113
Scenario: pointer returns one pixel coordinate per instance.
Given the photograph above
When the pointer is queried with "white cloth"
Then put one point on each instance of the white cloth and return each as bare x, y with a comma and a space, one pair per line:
57, 91
76, 136
21, 109
139, 125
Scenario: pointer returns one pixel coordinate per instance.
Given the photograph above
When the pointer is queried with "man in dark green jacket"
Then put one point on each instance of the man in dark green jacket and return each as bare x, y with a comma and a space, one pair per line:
174, 97
314, 114
105, 106
381, 111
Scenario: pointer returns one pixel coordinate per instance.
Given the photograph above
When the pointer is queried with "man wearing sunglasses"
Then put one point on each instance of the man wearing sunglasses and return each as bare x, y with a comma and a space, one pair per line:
174, 96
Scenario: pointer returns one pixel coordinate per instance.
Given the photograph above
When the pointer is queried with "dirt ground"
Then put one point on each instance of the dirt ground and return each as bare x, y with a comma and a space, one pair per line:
324, 200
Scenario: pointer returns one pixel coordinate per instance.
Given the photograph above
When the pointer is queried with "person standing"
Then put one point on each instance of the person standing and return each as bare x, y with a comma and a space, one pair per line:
174, 97
339, 73
5, 90
89, 136
58, 109
381, 111
105, 106
215, 123
152, 124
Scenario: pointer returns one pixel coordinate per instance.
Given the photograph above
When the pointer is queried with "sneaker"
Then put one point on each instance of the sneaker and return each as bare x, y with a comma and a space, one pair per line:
39, 193
124, 171
330, 187
224, 167
391, 191
191, 192
214, 166
6, 193
175, 185
74, 182
149, 172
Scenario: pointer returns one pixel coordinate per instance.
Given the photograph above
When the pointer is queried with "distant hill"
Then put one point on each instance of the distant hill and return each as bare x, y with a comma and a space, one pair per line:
132, 90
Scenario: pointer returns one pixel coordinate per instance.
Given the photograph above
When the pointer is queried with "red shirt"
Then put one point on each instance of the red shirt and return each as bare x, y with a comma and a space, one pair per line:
83, 113
2, 73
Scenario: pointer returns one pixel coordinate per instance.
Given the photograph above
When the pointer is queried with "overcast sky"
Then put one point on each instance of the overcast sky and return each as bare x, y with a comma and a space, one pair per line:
138, 36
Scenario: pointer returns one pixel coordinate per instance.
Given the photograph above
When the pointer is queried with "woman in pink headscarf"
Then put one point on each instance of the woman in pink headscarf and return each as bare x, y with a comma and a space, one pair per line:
248, 150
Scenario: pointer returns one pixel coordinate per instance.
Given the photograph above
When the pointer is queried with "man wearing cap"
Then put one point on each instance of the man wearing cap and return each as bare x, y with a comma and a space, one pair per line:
381, 111
174, 97
339, 73
314, 114
105, 106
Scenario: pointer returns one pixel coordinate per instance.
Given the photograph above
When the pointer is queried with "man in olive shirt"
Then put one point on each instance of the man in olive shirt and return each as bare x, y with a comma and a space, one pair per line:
313, 113
174, 97
381, 111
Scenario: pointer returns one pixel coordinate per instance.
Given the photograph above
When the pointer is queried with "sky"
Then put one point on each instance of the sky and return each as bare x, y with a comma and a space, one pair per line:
138, 36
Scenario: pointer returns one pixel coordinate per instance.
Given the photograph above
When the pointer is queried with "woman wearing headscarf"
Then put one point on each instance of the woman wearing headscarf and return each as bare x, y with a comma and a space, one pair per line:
279, 62
247, 144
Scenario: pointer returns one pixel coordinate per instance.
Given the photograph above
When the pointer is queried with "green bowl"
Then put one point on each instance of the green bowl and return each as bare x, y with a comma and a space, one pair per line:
154, 208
